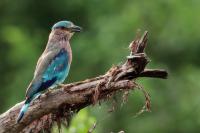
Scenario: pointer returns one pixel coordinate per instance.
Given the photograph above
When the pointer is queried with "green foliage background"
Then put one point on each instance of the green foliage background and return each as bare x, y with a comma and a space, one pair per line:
109, 26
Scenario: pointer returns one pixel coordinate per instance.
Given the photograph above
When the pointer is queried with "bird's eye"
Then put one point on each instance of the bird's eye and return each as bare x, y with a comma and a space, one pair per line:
62, 27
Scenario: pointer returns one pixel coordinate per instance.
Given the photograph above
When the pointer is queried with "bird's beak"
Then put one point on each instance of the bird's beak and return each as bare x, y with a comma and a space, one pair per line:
76, 29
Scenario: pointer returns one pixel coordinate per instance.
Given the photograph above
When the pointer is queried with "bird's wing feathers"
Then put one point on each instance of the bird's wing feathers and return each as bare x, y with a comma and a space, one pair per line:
58, 66
52, 67
44, 61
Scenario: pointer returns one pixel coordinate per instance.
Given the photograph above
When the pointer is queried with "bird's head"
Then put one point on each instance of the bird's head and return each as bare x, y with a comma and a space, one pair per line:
66, 27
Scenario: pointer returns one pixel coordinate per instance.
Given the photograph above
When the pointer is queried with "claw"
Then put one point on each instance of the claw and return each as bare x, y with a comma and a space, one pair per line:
61, 85
48, 91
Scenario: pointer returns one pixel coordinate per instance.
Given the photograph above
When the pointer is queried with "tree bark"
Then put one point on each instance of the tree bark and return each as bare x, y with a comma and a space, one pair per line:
57, 104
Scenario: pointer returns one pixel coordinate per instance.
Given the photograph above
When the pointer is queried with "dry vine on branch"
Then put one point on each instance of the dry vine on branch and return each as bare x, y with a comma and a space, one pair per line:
59, 105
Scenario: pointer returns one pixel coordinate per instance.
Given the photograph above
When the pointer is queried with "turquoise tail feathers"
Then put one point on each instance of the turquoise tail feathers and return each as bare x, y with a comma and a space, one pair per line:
26, 106
23, 111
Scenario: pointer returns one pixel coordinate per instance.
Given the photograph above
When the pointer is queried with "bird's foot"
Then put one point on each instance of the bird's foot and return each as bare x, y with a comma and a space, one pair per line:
61, 85
48, 91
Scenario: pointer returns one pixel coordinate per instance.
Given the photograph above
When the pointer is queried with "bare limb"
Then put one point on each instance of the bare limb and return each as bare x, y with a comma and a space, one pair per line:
59, 105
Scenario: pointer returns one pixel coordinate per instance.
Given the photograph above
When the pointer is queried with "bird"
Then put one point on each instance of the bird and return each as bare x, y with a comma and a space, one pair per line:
53, 65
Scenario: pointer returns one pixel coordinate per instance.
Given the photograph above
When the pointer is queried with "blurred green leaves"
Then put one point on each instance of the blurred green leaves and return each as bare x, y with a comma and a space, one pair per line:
109, 26
81, 123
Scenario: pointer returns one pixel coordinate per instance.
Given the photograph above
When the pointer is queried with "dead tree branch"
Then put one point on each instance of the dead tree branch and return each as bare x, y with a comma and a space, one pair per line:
59, 105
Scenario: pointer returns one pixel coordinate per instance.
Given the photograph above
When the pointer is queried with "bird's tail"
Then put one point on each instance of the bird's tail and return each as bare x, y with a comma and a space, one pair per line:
23, 110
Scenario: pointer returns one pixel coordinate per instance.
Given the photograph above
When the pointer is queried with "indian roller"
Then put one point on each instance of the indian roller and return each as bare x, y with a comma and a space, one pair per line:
53, 65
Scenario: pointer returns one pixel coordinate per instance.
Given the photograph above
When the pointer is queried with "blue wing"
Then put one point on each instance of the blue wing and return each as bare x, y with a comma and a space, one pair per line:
58, 68
55, 73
